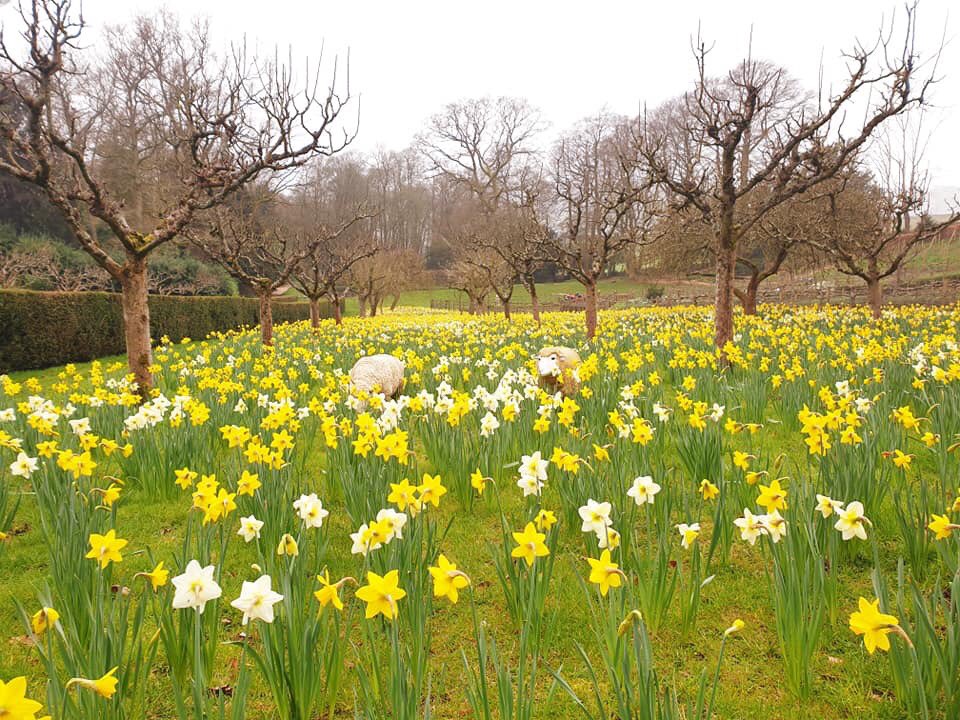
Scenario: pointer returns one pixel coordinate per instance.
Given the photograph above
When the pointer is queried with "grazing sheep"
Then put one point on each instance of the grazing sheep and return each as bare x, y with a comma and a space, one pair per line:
383, 373
557, 368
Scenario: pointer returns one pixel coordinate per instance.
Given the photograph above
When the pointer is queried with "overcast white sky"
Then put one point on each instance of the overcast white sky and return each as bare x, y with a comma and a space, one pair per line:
408, 58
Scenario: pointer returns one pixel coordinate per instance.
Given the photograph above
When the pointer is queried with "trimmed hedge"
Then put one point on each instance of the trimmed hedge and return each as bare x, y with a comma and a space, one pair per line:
43, 329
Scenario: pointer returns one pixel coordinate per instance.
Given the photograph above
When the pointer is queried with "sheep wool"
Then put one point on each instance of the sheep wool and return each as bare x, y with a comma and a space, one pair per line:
378, 371
557, 370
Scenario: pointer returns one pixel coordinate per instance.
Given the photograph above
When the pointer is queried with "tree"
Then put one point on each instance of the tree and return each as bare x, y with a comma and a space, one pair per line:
484, 149
324, 271
601, 207
866, 226
219, 124
694, 156
247, 238
472, 281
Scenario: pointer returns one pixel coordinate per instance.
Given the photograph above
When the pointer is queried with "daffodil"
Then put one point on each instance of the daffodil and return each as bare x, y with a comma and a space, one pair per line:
287, 546
431, 490
157, 577
941, 526
772, 497
708, 490
381, 594
329, 593
545, 520
105, 549
605, 573
42, 620
530, 544
873, 625
447, 580
256, 600
14, 703
104, 686
478, 482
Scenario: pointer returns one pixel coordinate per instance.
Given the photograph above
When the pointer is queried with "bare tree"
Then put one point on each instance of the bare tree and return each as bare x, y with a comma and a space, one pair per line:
871, 222
250, 242
484, 149
222, 124
15, 264
472, 281
325, 270
803, 146
602, 209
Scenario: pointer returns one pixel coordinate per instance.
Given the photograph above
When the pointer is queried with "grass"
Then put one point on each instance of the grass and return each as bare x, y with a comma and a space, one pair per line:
549, 293
849, 683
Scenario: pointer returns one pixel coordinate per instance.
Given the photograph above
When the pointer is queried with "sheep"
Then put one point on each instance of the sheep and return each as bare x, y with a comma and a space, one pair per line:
378, 373
557, 368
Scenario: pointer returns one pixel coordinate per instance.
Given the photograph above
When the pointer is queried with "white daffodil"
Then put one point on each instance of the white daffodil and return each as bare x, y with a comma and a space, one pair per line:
310, 510
250, 528
751, 526
393, 520
256, 600
775, 525
643, 490
688, 534
24, 466
534, 466
595, 516
851, 522
827, 506
195, 587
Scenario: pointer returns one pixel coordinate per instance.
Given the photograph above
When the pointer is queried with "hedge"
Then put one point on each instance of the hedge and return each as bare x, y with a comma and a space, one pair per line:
43, 329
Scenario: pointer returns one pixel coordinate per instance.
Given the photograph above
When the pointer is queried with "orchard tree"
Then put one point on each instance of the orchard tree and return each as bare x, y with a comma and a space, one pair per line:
694, 155
214, 124
247, 238
601, 207
869, 229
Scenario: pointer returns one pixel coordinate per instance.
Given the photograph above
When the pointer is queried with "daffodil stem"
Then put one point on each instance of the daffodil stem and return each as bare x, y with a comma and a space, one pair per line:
716, 679
198, 678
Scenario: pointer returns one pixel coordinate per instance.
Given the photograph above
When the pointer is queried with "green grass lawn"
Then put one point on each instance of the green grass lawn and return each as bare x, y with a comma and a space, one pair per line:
549, 293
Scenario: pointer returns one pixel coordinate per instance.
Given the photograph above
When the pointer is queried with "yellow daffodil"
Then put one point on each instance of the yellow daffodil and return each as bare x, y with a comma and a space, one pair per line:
530, 544
381, 594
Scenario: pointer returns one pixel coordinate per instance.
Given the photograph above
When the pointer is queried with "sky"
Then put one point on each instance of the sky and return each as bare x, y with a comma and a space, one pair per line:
408, 58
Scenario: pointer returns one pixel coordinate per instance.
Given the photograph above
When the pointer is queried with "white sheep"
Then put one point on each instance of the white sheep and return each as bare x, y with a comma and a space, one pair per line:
558, 367
378, 373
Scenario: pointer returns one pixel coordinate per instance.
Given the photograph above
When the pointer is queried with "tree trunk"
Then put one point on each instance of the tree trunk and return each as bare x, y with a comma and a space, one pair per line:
506, 308
266, 316
875, 296
136, 323
748, 297
534, 302
723, 308
395, 301
314, 312
362, 300
338, 310
591, 309
374, 302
